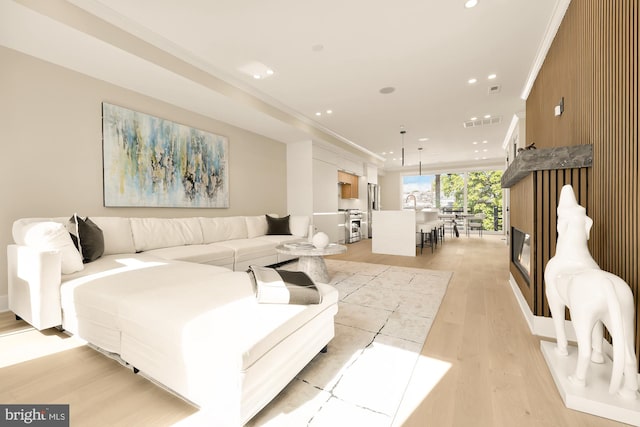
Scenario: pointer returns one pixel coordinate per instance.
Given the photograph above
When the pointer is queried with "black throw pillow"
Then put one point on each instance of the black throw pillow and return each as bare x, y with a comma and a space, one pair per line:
89, 241
278, 226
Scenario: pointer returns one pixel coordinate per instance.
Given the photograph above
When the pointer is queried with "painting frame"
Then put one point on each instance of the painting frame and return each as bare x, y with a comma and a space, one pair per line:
150, 161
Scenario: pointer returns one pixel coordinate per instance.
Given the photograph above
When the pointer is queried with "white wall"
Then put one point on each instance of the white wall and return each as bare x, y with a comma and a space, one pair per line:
300, 178
51, 139
390, 190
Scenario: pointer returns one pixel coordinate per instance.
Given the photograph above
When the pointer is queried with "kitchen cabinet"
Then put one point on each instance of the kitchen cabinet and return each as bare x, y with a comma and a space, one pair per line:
324, 187
348, 185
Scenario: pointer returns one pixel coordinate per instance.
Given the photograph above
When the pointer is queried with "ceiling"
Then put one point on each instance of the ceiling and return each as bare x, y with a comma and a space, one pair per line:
325, 55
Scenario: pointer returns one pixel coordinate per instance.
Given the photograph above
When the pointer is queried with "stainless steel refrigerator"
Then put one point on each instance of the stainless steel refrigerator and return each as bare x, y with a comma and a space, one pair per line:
373, 204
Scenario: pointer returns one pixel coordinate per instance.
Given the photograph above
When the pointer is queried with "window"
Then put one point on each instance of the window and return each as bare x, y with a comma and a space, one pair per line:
470, 192
484, 195
418, 192
452, 192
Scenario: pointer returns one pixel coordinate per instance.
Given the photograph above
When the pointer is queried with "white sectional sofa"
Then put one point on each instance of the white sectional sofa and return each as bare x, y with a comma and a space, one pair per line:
165, 300
233, 242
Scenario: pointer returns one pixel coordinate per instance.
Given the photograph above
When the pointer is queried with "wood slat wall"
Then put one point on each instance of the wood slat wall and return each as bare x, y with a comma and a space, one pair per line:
593, 64
545, 205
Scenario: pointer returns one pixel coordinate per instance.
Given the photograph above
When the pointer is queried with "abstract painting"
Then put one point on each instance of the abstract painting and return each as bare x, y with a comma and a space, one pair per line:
153, 162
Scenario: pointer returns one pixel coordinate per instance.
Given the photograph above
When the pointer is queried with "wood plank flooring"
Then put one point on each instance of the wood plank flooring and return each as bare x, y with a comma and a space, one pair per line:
498, 376
496, 373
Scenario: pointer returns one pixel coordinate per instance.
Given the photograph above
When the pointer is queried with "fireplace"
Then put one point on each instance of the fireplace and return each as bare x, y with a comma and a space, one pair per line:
521, 252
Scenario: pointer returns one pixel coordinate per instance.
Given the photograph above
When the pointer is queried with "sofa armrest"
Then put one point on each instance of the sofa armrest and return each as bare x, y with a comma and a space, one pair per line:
34, 278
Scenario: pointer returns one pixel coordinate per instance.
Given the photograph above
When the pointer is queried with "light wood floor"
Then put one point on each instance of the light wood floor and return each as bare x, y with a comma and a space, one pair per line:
497, 375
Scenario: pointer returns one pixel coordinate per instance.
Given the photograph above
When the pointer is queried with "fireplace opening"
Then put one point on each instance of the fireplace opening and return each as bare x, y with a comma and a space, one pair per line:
521, 252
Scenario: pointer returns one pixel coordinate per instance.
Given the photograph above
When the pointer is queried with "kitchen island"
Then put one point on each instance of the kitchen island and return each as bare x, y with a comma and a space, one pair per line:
394, 232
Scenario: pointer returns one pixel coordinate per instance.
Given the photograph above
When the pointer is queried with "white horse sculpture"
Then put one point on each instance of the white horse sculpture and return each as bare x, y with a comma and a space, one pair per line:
594, 297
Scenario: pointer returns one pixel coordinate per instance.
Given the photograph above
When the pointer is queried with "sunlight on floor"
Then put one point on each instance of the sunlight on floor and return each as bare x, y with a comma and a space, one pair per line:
352, 386
21, 347
426, 375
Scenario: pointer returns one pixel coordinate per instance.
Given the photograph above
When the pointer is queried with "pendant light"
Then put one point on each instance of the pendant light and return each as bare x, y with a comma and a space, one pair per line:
402, 132
420, 161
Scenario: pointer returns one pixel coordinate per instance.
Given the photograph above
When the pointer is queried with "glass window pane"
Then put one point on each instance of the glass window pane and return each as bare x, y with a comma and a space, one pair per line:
452, 192
418, 191
484, 195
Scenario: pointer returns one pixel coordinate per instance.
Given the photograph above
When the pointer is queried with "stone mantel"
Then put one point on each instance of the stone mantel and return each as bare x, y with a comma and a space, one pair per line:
527, 161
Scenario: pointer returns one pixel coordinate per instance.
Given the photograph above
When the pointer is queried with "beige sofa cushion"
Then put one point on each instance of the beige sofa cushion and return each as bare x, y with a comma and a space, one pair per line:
153, 233
256, 226
299, 225
118, 237
278, 239
202, 254
22, 225
49, 236
246, 249
223, 228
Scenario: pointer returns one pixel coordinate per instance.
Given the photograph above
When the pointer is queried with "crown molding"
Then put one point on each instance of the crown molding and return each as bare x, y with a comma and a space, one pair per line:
543, 49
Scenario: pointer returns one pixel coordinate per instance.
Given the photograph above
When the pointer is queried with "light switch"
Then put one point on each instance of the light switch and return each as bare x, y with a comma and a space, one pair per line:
557, 110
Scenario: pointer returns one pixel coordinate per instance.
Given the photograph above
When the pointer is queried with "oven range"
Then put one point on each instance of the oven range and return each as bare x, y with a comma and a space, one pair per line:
352, 225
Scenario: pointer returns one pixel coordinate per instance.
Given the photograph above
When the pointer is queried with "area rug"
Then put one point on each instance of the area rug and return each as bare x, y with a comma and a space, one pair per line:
384, 316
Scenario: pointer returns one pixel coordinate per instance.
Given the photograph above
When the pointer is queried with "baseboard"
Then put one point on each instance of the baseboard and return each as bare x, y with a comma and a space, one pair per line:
538, 325
4, 303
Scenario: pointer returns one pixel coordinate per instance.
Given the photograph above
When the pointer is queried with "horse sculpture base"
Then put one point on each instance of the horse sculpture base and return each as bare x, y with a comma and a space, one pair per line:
595, 399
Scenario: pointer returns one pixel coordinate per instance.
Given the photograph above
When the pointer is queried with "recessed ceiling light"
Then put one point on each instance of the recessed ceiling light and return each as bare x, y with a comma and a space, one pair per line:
256, 70
423, 139
387, 90
476, 151
484, 158
484, 142
485, 150
470, 3
390, 152
472, 80
318, 113
329, 111
474, 118
474, 142
491, 76
487, 116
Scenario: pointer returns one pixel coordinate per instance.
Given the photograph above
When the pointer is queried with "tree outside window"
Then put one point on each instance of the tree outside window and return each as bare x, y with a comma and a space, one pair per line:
452, 192
484, 195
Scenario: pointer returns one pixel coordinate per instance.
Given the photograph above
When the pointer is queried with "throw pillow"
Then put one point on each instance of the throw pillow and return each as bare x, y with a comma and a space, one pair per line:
279, 226
53, 236
87, 237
